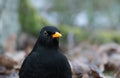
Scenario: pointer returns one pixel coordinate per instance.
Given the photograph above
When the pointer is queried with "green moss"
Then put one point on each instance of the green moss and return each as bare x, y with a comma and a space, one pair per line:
30, 20
79, 33
107, 37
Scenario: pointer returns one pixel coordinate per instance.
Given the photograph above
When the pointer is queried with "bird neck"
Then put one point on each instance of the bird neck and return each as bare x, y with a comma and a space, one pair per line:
50, 44
41, 43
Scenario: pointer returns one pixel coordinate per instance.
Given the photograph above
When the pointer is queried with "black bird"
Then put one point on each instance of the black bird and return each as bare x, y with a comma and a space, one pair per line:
46, 59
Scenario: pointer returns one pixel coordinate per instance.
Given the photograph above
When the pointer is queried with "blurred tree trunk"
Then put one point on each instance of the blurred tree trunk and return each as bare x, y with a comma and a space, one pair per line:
9, 19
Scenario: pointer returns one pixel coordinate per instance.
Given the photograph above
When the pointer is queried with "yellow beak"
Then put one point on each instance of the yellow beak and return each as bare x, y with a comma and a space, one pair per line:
56, 35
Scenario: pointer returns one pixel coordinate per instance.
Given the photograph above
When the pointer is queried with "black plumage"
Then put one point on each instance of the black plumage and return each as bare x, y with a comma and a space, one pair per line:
46, 60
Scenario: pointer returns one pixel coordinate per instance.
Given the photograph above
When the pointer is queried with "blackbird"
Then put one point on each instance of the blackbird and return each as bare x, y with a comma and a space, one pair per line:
46, 59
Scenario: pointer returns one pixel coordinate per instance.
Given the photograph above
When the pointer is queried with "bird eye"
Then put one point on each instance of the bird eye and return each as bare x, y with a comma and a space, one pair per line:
45, 32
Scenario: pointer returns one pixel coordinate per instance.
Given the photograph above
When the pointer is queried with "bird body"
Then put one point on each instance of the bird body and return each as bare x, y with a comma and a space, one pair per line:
46, 60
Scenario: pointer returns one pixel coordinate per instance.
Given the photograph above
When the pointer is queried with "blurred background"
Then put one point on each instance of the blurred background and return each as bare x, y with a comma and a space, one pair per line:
90, 28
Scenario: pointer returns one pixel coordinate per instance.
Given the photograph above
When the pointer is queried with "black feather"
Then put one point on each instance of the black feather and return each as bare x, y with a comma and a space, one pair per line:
46, 60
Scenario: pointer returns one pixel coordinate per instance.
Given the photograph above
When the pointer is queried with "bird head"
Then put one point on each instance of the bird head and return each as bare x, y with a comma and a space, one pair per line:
50, 32
49, 37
